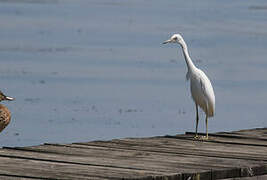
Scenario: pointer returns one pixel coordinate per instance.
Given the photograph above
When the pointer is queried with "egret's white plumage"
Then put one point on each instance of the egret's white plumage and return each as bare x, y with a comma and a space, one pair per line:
200, 85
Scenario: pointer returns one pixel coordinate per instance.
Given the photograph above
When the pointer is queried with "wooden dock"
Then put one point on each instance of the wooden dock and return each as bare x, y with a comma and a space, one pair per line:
225, 155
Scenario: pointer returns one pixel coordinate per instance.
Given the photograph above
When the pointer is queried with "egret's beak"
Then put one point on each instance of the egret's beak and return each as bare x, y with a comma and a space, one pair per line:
9, 98
168, 41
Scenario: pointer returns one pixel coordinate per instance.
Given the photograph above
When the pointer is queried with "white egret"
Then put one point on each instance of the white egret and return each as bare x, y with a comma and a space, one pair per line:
200, 85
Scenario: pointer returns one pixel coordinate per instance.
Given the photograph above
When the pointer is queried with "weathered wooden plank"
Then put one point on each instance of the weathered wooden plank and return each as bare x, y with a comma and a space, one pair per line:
44, 169
264, 177
172, 142
228, 139
208, 146
102, 159
26, 169
244, 134
253, 134
175, 146
12, 177
241, 135
183, 141
161, 158
260, 133
129, 159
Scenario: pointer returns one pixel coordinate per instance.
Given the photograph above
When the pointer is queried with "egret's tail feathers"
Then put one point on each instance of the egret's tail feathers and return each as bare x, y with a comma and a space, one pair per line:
211, 112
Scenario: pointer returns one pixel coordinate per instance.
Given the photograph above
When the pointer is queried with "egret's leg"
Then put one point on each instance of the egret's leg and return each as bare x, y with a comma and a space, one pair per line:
207, 127
197, 118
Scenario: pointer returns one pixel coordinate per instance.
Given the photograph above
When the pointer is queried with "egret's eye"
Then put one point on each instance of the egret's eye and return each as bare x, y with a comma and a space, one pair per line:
175, 38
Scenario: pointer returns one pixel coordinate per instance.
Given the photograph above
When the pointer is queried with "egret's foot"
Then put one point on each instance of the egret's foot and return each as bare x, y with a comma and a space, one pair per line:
204, 138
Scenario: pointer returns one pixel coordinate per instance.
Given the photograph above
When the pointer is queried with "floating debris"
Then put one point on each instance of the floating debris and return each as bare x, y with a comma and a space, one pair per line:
257, 7
42, 81
173, 61
32, 100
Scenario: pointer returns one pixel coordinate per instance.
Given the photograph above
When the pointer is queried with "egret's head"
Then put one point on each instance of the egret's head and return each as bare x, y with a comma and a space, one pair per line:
176, 38
4, 97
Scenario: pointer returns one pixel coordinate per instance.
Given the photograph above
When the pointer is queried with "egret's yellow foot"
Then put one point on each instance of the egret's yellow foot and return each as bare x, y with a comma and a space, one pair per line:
204, 138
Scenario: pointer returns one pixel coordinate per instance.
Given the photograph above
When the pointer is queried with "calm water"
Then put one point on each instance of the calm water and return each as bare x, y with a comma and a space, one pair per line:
87, 70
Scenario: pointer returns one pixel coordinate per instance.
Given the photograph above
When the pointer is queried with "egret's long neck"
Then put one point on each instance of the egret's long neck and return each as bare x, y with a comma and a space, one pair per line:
189, 63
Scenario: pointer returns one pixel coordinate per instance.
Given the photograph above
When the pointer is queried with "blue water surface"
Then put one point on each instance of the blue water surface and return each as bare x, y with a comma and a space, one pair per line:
96, 70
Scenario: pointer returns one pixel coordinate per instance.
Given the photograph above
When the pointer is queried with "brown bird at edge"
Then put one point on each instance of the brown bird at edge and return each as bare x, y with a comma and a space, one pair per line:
5, 114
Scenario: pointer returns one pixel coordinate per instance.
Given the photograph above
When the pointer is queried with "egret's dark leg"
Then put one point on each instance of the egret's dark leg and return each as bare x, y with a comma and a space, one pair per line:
197, 118
207, 127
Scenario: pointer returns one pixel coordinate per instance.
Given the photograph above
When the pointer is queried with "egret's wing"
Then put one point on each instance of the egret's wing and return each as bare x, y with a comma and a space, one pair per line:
204, 92
204, 87
208, 94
